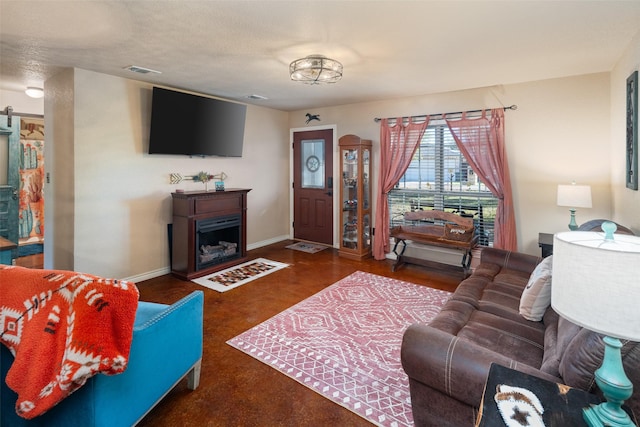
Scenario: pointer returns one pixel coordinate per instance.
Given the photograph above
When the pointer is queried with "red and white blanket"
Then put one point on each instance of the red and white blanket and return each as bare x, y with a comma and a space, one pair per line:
62, 327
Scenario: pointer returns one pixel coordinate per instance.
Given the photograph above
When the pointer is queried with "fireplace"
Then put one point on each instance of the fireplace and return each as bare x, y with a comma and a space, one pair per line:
217, 240
208, 232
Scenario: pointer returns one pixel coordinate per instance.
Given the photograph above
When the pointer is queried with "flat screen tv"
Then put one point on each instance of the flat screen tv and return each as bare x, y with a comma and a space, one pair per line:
182, 123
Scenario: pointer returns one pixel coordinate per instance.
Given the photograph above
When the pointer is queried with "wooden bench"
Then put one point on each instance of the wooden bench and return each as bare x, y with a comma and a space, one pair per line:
435, 228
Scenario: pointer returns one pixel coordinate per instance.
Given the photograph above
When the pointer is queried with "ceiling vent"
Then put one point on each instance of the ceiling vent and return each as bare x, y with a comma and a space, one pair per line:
141, 70
254, 96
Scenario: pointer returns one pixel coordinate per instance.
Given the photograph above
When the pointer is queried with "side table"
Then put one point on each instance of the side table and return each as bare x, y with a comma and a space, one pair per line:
562, 404
545, 242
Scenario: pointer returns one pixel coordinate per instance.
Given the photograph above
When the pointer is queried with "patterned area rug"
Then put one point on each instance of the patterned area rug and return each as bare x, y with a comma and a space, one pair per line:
310, 248
344, 343
239, 275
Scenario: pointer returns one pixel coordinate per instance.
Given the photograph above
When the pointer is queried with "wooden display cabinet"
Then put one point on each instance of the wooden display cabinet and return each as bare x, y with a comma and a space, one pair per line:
355, 197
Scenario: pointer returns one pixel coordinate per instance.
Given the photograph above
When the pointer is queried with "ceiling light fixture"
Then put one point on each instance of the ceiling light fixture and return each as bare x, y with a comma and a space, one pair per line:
34, 92
315, 69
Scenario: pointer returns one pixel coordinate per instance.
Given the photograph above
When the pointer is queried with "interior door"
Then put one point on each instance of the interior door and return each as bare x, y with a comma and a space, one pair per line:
9, 178
313, 186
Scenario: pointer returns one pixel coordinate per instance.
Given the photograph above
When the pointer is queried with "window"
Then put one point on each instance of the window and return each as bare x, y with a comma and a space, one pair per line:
439, 177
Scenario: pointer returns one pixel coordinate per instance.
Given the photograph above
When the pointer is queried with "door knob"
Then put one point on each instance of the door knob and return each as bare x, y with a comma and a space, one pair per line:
14, 193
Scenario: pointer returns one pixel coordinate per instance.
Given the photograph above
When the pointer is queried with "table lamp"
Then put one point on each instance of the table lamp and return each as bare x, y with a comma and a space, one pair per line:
574, 196
595, 285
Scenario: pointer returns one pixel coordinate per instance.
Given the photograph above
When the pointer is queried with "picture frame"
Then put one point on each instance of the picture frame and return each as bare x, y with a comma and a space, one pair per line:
632, 132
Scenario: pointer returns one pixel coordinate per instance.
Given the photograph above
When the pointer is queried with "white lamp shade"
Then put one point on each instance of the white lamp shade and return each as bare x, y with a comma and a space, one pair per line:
574, 196
596, 282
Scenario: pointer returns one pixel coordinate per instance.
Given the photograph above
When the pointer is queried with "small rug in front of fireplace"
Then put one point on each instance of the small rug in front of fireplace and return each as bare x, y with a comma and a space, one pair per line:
240, 274
310, 248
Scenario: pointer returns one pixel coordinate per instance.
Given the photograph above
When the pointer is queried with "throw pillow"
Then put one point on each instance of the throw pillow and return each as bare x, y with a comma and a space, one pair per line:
536, 297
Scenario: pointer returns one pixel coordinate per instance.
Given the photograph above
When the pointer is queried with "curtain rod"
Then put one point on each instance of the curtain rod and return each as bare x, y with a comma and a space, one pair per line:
511, 107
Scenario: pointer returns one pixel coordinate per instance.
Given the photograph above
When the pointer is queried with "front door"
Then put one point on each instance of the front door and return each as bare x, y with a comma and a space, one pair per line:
9, 178
313, 186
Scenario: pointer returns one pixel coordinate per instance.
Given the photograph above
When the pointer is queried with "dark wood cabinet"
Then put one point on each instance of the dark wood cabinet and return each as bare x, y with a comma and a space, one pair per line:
209, 231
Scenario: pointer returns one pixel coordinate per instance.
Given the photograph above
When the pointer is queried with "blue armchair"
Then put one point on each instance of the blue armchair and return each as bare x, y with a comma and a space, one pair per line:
166, 347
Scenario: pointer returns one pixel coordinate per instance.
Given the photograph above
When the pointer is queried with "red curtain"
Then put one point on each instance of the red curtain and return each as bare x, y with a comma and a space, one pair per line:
398, 143
481, 141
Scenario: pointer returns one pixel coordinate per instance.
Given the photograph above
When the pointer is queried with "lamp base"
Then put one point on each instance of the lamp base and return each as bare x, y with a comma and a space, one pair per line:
573, 225
596, 417
615, 386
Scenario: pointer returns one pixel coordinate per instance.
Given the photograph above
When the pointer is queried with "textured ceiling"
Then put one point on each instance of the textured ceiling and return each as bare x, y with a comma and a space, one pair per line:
389, 49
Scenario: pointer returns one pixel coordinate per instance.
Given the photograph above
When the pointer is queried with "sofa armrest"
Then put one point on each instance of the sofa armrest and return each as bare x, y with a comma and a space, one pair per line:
166, 346
513, 260
454, 366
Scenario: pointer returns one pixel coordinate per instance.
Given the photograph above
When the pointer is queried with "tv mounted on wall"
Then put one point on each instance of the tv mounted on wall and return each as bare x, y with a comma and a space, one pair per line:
193, 125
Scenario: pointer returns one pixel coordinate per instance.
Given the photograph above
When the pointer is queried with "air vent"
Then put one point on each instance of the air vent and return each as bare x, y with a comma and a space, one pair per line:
254, 96
141, 70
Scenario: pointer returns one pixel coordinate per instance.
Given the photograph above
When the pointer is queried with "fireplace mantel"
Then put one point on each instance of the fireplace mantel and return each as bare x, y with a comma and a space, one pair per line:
197, 207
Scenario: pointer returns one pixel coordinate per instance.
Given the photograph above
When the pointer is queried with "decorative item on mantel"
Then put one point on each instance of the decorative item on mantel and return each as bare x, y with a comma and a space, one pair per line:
203, 177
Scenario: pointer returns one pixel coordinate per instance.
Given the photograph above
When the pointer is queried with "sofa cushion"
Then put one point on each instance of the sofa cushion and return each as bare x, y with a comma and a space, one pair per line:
486, 269
536, 297
494, 290
502, 299
581, 359
453, 316
520, 341
558, 334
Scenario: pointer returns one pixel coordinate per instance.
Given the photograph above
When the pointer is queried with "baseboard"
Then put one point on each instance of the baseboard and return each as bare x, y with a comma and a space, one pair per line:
149, 275
267, 242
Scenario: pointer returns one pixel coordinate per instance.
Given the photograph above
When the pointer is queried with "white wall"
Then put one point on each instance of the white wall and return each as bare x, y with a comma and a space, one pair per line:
559, 133
626, 202
121, 196
20, 102
59, 187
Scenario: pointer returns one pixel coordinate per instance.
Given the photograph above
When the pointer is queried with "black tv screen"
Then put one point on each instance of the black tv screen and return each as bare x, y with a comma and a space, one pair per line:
182, 123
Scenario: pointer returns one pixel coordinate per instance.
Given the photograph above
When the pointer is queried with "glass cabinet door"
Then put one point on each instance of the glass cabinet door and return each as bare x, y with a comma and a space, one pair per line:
350, 198
355, 197
366, 193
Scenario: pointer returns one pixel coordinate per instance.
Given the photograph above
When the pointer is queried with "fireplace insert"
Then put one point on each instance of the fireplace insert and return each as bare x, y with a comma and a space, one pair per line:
217, 240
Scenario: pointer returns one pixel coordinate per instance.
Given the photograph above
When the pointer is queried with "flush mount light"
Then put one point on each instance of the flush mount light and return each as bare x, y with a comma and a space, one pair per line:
141, 70
315, 69
34, 92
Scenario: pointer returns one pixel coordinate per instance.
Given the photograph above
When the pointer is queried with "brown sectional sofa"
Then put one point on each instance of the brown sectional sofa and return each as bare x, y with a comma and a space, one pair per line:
448, 360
